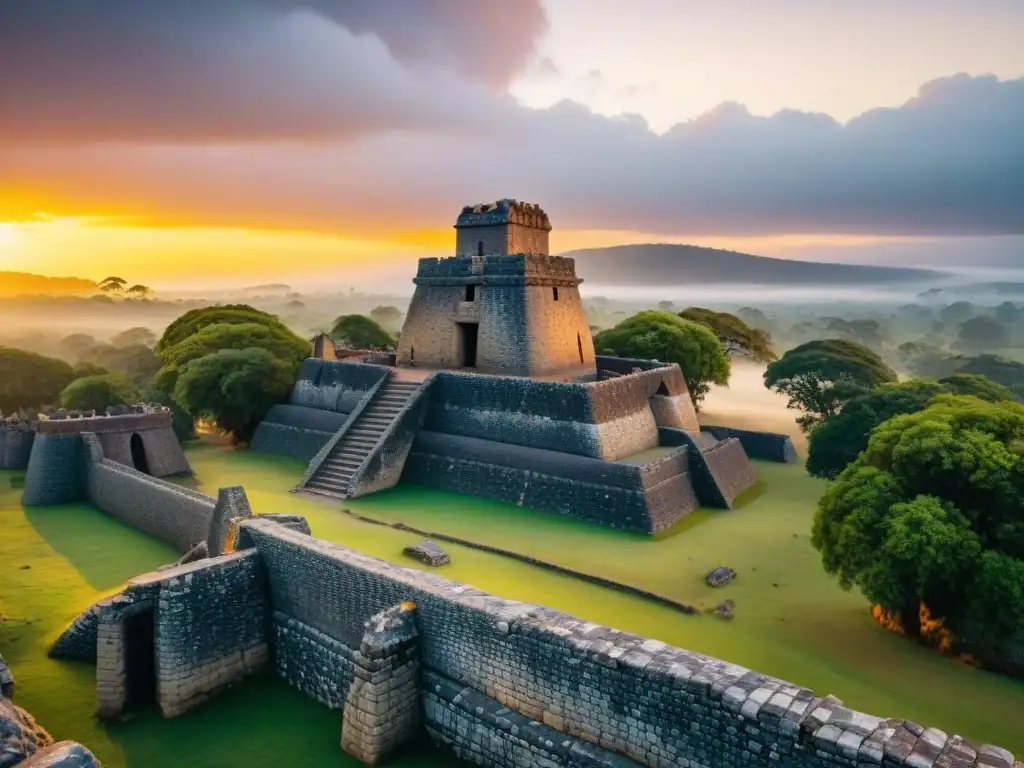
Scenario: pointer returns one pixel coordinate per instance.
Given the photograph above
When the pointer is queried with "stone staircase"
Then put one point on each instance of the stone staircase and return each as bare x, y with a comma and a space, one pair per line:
332, 477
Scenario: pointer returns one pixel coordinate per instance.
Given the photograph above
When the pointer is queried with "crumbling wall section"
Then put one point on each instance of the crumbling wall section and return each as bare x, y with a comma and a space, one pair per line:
766, 446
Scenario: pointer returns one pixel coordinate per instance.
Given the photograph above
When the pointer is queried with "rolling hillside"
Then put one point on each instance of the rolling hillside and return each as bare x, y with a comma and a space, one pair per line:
667, 264
23, 283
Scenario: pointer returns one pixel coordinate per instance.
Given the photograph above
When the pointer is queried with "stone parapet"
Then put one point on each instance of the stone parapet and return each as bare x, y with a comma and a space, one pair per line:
98, 425
382, 708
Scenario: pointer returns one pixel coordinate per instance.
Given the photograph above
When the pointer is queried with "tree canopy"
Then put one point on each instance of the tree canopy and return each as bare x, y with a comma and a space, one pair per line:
735, 336
196, 319
820, 376
836, 444
386, 315
136, 361
931, 516
30, 381
360, 332
1001, 370
979, 386
98, 392
979, 333
235, 388
655, 335
136, 335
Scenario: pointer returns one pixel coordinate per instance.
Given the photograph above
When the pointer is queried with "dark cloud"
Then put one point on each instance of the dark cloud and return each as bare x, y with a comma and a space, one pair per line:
221, 70
289, 114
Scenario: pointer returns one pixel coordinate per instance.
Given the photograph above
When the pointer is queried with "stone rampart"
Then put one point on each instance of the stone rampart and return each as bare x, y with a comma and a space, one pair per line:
56, 471
16, 438
610, 697
321, 403
766, 446
645, 497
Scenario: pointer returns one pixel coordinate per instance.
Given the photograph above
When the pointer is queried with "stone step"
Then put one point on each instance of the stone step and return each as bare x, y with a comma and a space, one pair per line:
349, 462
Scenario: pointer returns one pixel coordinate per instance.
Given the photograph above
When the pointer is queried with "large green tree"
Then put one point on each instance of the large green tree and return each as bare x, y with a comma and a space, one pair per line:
820, 376
234, 388
387, 315
195, 320
136, 335
979, 333
663, 336
136, 361
30, 381
736, 337
836, 444
931, 515
1001, 370
98, 392
360, 332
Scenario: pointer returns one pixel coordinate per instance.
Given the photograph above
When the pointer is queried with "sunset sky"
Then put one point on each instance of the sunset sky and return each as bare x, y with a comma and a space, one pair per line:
325, 140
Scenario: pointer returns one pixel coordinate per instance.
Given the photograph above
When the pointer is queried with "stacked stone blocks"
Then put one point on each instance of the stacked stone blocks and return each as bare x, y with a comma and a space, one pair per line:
210, 621
641, 700
16, 438
382, 708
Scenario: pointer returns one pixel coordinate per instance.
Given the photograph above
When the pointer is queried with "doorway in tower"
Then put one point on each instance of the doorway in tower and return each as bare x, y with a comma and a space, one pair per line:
140, 659
467, 344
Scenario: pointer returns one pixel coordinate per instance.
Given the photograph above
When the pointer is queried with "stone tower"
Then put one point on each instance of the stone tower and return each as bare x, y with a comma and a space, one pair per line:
502, 304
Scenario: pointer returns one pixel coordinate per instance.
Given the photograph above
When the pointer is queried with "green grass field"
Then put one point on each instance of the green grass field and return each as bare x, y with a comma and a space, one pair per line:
791, 619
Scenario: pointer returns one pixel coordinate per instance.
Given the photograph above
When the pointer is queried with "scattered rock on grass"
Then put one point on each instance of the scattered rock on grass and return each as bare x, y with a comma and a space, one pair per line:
720, 576
427, 552
724, 610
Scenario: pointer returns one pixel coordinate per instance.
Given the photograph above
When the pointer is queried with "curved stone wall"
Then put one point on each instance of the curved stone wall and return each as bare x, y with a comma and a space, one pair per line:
55, 471
16, 438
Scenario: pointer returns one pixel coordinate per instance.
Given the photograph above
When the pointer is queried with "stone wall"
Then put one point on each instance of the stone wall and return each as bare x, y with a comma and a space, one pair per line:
210, 621
730, 469
766, 446
55, 471
589, 694
321, 402
646, 497
16, 438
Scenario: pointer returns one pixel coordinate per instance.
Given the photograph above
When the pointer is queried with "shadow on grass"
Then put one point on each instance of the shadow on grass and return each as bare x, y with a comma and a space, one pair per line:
270, 724
103, 550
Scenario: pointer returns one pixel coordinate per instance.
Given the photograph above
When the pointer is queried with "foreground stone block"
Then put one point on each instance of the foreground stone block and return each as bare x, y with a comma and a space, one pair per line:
20, 735
427, 552
63, 754
382, 709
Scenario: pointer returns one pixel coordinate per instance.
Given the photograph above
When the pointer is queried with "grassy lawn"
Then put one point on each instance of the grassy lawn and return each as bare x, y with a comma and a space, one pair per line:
791, 621
56, 561
805, 629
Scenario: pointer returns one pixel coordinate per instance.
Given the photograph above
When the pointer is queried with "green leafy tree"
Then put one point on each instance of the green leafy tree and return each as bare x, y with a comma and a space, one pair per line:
30, 381
735, 336
931, 514
868, 332
957, 312
281, 343
820, 376
980, 333
360, 332
1001, 370
195, 320
666, 306
77, 345
137, 335
386, 316
136, 361
139, 291
836, 444
234, 388
98, 392
663, 336
85, 368
979, 386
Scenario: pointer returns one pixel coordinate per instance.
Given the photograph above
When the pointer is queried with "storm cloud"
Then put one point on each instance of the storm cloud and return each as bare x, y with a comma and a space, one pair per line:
323, 114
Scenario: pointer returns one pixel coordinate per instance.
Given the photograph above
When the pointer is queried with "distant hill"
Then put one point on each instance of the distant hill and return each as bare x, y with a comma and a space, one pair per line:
667, 264
23, 283
270, 288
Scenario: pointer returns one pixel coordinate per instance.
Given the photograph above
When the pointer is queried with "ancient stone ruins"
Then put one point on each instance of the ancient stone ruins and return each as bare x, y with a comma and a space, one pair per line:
496, 392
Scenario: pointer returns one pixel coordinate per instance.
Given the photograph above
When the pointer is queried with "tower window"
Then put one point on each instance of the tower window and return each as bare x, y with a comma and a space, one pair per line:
479, 250
470, 293
554, 292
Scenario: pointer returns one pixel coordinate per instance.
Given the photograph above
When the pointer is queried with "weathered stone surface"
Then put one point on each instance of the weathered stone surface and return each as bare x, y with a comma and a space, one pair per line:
720, 576
6, 680
20, 735
63, 754
427, 552
295, 522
